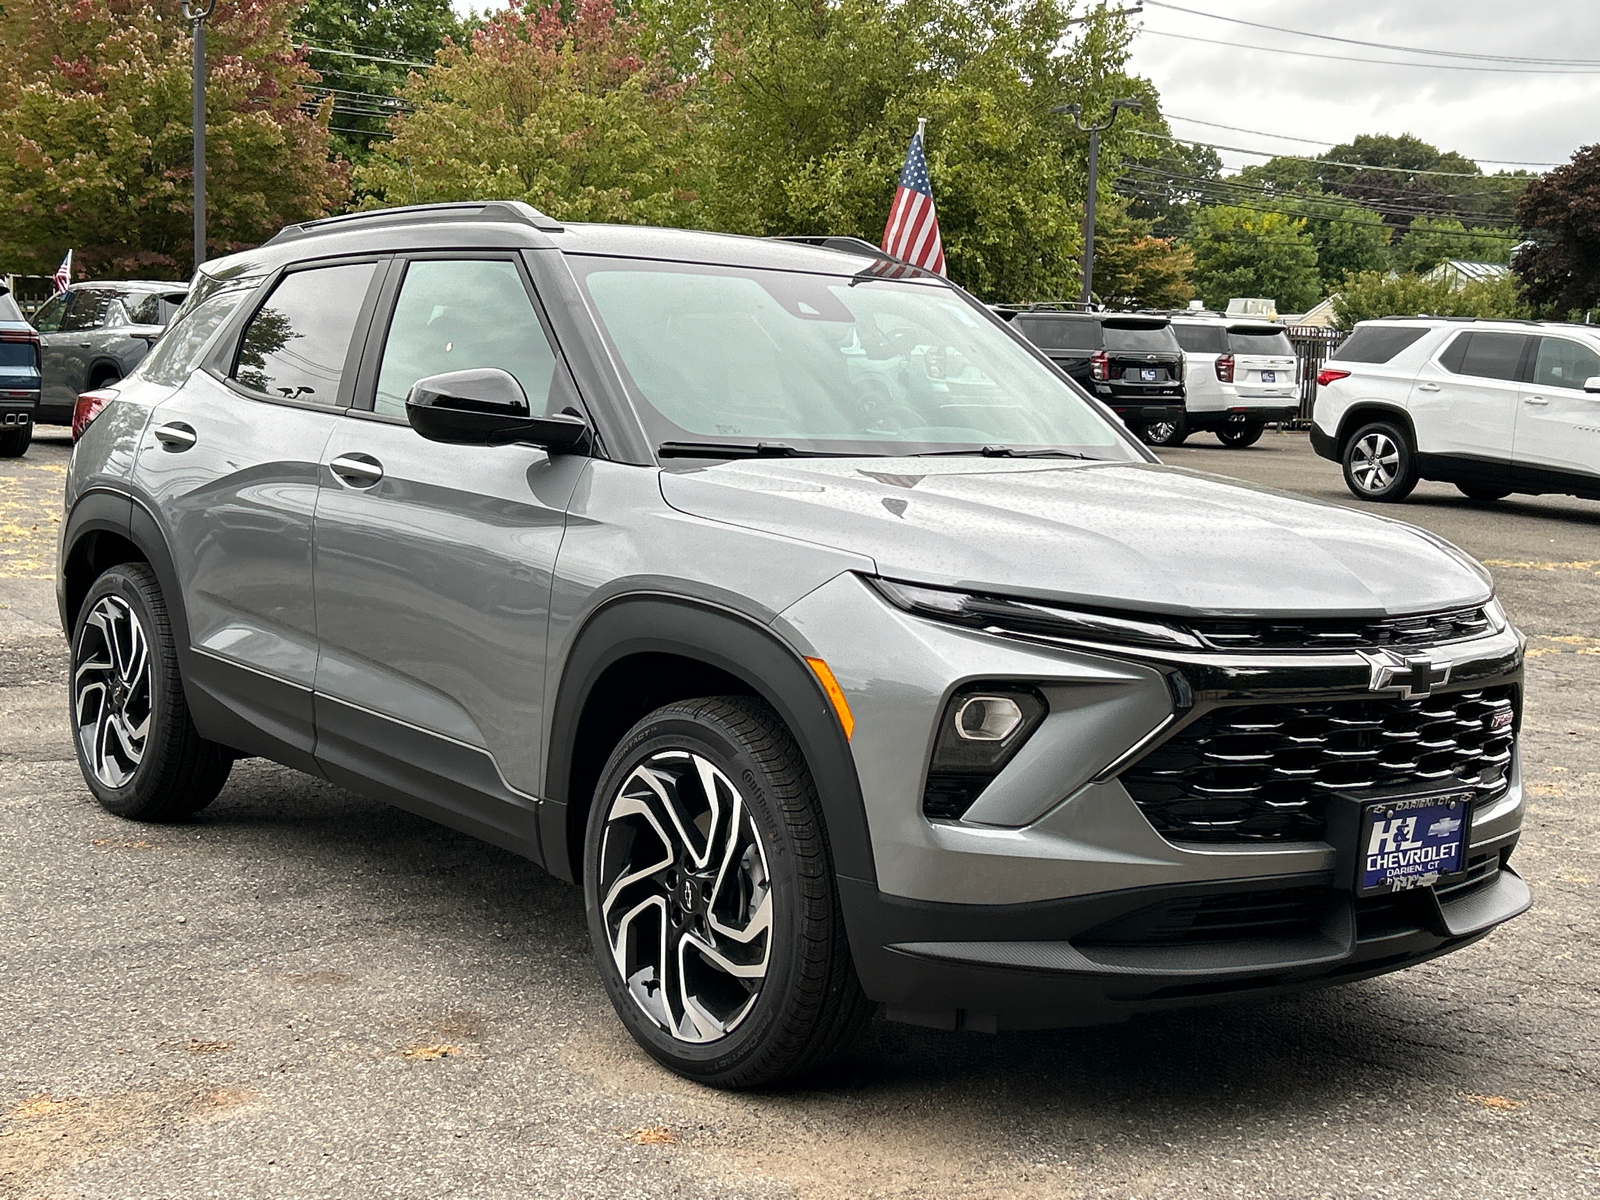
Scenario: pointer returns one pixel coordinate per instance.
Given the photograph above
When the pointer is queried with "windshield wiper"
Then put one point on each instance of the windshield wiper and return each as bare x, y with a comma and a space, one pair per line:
750, 450
1010, 452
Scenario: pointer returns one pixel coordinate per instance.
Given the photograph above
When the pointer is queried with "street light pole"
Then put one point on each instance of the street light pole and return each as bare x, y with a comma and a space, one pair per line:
196, 13
1094, 132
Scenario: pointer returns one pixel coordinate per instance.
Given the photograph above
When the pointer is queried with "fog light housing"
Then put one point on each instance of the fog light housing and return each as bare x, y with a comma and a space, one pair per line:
980, 730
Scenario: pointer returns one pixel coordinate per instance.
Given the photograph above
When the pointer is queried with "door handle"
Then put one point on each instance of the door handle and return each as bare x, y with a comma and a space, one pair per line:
1427, 387
83, 345
176, 437
357, 470
1539, 401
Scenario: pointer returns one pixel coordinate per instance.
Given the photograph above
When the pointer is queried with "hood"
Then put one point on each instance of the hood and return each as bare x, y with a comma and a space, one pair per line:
1114, 535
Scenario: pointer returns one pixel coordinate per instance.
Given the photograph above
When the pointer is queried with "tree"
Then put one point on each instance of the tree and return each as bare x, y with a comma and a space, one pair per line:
1347, 237
1433, 240
95, 138
364, 50
1135, 269
1374, 294
1559, 265
571, 114
1167, 187
1242, 252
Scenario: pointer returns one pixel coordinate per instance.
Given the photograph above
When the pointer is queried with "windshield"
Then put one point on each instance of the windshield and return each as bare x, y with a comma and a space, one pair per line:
829, 364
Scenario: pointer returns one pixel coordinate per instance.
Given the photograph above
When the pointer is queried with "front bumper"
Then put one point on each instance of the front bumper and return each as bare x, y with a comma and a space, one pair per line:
995, 915
1326, 445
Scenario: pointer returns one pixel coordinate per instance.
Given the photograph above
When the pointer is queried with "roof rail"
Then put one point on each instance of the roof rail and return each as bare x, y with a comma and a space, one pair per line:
410, 214
829, 241
1070, 306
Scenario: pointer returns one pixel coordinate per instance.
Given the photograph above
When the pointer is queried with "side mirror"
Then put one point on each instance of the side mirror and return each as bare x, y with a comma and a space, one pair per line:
486, 407
1592, 384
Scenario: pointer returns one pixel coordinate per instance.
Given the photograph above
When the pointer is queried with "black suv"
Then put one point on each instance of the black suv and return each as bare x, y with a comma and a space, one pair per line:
1132, 362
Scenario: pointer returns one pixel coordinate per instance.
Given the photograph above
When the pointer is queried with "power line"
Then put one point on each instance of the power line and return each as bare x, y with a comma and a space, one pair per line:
399, 62
1328, 37
1321, 162
1285, 137
1374, 62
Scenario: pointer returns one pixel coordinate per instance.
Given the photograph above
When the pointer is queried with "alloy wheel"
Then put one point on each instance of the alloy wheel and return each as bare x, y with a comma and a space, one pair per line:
1159, 433
1374, 462
685, 896
111, 691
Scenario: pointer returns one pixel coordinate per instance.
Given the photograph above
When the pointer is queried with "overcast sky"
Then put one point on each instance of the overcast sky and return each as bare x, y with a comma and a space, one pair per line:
1480, 113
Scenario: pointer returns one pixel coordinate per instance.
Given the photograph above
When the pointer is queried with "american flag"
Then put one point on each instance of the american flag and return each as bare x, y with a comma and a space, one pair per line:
63, 276
913, 229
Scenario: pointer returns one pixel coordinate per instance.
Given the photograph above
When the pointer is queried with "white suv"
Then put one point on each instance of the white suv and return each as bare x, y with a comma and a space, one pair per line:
1493, 407
1241, 375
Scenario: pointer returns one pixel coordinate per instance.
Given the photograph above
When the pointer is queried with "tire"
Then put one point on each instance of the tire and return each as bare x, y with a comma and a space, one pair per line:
125, 680
14, 442
103, 378
1165, 433
1474, 491
785, 998
1379, 463
1237, 437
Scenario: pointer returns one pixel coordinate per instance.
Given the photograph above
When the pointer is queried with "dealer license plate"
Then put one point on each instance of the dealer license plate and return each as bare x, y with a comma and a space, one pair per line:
1269, 377
1410, 843
1148, 374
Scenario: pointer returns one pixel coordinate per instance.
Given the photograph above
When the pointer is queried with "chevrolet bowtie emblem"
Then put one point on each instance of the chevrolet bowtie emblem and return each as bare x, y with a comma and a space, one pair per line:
1415, 676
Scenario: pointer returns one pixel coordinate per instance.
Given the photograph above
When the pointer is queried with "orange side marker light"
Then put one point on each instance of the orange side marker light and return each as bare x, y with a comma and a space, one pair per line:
835, 693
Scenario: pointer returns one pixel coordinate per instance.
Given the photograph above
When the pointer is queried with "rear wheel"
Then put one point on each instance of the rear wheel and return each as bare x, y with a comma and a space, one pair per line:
1170, 432
712, 906
1476, 491
137, 746
104, 377
1379, 463
1237, 437
14, 442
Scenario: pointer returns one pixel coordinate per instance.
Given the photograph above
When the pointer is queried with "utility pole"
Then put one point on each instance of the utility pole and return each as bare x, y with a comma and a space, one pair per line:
196, 12
1094, 132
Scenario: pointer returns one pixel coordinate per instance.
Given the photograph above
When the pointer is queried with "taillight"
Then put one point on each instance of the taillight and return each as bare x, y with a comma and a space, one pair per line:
1225, 368
1330, 375
88, 408
1100, 365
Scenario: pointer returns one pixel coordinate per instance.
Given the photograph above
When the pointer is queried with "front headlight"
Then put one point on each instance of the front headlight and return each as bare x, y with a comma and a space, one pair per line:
1027, 616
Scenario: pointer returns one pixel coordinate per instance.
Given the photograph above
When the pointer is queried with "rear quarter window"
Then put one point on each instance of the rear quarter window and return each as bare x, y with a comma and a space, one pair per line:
1378, 343
179, 349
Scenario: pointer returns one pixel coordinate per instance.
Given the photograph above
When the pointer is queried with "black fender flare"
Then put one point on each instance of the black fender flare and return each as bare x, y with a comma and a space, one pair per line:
731, 642
1367, 410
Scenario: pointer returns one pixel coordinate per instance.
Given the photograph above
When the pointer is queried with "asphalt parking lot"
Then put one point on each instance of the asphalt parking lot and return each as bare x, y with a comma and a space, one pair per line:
306, 994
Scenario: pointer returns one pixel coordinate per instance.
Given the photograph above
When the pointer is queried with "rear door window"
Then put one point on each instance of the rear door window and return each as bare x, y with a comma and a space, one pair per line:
1146, 339
1260, 341
1564, 364
295, 346
1201, 339
1378, 343
1486, 355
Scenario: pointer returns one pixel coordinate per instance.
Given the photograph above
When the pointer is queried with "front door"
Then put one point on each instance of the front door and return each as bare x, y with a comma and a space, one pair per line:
1558, 423
434, 564
231, 463
55, 387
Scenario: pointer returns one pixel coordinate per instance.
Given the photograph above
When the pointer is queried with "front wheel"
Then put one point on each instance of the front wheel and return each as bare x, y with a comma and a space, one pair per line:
1379, 463
1237, 437
1169, 432
711, 900
137, 746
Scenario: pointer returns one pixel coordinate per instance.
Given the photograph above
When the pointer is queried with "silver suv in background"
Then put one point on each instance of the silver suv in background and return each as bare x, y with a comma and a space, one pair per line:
1493, 407
93, 334
1242, 375
791, 604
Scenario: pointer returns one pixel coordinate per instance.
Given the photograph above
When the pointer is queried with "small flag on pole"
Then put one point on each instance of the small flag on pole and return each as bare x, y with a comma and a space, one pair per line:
912, 233
63, 276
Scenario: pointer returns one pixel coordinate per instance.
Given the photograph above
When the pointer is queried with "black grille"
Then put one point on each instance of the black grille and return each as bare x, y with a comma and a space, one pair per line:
1275, 912
1428, 629
1261, 772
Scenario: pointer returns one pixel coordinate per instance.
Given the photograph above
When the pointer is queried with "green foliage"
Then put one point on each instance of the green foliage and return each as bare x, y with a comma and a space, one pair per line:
1433, 240
572, 116
1243, 252
1167, 187
1347, 237
1373, 294
1135, 269
353, 35
95, 139
1560, 267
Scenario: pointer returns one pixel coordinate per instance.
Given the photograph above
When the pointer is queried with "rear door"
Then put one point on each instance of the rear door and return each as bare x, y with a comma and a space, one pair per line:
1143, 356
1464, 404
229, 463
1264, 369
1558, 423
434, 562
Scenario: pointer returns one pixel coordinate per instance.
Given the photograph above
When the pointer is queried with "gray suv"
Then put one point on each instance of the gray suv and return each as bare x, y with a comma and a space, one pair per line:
94, 334
844, 651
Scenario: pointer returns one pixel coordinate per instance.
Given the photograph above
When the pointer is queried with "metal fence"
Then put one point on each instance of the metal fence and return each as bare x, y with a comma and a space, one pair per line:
1312, 346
